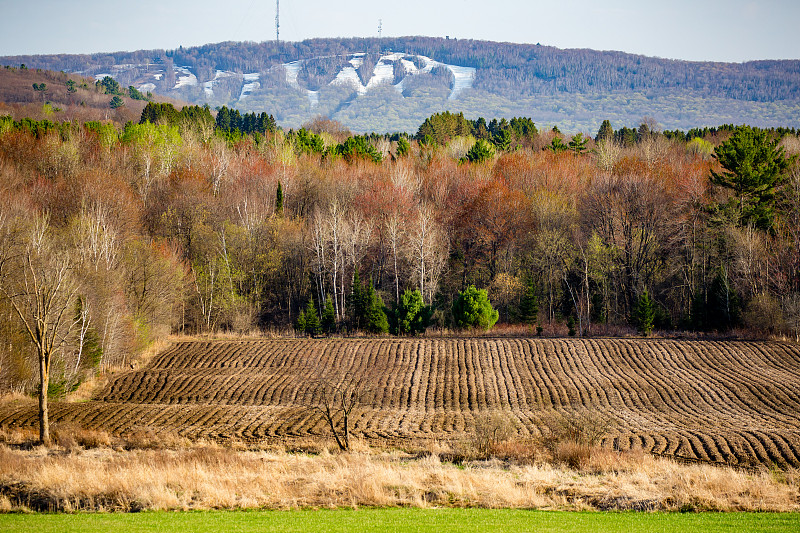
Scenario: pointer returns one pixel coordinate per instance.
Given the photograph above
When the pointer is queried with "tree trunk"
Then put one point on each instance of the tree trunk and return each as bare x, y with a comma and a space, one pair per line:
44, 384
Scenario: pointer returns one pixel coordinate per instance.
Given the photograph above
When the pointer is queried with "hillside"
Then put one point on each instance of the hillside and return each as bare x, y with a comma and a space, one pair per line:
392, 84
720, 402
56, 102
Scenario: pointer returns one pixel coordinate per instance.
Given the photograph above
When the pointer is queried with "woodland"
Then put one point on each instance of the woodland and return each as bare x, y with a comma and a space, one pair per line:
112, 235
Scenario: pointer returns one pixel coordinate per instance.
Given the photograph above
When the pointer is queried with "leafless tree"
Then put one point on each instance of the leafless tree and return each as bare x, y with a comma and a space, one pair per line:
427, 247
337, 394
36, 279
393, 225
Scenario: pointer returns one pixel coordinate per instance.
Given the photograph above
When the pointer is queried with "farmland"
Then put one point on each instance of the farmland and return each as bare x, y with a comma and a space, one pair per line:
721, 402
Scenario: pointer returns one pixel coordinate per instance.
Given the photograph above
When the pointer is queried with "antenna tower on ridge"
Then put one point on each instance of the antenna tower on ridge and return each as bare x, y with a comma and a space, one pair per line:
380, 28
277, 21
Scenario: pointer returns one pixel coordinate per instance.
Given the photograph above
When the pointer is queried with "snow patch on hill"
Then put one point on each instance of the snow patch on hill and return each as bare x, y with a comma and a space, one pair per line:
184, 77
208, 87
464, 79
292, 71
251, 84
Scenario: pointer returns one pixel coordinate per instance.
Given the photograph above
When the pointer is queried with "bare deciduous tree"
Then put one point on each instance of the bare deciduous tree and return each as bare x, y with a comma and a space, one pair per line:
36, 279
337, 394
427, 248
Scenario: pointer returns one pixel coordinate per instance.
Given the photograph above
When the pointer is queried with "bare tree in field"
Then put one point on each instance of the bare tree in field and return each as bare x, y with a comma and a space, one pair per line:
36, 278
336, 393
336, 399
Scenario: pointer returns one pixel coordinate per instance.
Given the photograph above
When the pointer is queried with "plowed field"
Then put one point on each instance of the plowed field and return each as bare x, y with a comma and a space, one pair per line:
729, 402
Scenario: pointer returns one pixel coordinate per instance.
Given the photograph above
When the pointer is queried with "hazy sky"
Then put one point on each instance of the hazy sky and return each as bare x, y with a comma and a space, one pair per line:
719, 30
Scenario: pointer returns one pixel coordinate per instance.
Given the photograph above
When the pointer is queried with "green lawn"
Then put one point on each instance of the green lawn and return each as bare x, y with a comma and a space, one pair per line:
412, 520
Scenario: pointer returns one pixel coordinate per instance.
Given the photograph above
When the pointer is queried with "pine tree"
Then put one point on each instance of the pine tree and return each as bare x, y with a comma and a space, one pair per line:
279, 200
605, 133
312, 319
300, 323
578, 143
644, 314
481, 151
755, 167
328, 316
375, 317
529, 306
403, 147
357, 303
411, 313
472, 309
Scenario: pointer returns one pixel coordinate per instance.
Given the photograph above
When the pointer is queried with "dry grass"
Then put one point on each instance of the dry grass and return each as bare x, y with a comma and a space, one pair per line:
211, 477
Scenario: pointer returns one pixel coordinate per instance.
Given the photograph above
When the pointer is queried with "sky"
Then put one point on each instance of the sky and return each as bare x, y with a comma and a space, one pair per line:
697, 30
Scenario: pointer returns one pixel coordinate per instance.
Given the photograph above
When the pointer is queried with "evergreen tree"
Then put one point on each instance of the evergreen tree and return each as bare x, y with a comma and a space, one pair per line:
644, 314
300, 323
328, 316
224, 119
723, 308
403, 147
375, 316
502, 140
556, 146
529, 306
279, 200
116, 102
481, 151
357, 303
134, 93
755, 167
606, 132
312, 319
411, 313
472, 309
578, 143
108, 85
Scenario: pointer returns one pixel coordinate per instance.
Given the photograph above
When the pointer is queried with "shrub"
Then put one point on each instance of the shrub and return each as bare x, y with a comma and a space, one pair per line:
571, 436
491, 428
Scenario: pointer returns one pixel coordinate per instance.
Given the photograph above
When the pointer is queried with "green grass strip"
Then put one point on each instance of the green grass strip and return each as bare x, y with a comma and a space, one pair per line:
400, 520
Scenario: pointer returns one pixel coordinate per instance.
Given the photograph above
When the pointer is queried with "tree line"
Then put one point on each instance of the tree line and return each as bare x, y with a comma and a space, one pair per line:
173, 224
501, 68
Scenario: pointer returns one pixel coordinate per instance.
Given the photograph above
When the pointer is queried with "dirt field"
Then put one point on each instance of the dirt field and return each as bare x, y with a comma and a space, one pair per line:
721, 402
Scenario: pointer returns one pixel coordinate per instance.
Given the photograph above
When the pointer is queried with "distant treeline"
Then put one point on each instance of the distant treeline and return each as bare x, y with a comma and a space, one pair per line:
502, 68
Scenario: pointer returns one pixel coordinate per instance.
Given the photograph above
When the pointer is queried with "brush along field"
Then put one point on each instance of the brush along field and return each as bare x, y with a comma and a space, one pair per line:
734, 403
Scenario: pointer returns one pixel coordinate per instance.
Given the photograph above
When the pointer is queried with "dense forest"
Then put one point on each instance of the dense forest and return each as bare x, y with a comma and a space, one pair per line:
114, 234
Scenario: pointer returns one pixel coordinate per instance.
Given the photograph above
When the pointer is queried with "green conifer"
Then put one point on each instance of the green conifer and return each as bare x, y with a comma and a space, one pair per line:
529, 306
279, 200
328, 316
312, 319
644, 313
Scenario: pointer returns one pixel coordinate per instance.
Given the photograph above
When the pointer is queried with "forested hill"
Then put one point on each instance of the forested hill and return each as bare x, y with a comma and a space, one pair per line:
393, 83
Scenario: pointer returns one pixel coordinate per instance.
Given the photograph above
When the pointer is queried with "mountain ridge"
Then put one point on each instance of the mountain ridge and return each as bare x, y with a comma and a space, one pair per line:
572, 88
